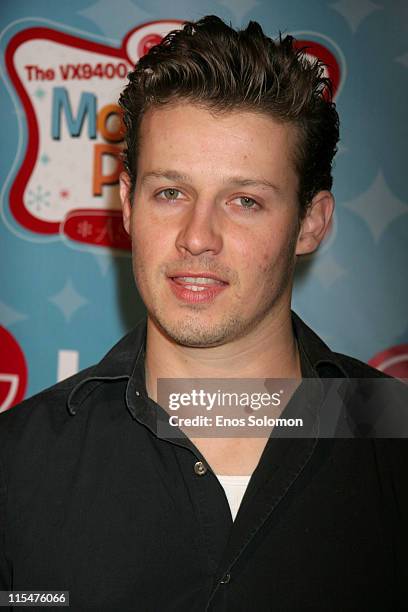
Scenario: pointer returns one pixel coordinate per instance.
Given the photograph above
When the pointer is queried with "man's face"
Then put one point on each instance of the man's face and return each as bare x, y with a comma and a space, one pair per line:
213, 222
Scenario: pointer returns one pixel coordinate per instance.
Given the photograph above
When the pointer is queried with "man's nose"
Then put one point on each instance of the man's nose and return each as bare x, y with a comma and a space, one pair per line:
200, 230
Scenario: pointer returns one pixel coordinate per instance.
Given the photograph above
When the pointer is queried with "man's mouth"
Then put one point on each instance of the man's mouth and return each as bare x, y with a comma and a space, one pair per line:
197, 283
196, 288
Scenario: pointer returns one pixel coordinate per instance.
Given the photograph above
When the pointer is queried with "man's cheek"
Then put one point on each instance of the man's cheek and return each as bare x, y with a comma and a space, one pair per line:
142, 239
266, 263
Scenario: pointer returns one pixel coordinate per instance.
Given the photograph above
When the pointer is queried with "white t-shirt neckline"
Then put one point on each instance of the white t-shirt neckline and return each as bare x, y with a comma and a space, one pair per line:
234, 487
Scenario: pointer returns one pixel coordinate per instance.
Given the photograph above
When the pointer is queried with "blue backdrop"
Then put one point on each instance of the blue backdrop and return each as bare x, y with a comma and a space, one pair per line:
67, 290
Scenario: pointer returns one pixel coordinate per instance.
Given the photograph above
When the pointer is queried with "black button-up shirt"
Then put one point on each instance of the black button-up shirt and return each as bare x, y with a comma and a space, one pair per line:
93, 501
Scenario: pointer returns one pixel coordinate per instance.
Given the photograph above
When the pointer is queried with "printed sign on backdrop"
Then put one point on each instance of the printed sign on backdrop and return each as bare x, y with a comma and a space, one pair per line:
69, 87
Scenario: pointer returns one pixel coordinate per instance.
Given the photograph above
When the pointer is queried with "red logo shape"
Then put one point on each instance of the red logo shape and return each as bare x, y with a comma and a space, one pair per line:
318, 51
97, 227
393, 361
147, 43
13, 371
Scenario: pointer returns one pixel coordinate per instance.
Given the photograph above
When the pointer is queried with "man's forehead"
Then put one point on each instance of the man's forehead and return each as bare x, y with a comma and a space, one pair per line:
242, 148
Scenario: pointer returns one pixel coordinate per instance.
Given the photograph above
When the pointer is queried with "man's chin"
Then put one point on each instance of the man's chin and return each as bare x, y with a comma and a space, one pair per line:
196, 332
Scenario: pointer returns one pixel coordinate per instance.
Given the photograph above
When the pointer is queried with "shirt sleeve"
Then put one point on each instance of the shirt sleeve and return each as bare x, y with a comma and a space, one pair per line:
399, 462
5, 575
394, 456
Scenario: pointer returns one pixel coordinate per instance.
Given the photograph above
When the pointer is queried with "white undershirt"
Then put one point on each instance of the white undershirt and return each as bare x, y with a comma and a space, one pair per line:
234, 487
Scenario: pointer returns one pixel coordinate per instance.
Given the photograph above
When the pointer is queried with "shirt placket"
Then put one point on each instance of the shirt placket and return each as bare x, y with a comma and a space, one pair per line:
211, 509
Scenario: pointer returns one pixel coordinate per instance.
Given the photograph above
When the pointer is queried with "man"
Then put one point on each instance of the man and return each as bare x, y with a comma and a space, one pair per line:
230, 140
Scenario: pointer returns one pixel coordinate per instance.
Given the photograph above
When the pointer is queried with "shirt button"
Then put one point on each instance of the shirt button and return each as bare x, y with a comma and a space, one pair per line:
226, 579
199, 468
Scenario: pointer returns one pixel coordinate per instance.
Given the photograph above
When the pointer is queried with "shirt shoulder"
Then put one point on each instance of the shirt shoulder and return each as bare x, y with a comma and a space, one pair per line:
45, 396
358, 369
365, 382
44, 410
42, 416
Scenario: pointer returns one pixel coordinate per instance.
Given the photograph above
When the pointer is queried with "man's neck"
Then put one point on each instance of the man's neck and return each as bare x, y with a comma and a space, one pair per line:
268, 351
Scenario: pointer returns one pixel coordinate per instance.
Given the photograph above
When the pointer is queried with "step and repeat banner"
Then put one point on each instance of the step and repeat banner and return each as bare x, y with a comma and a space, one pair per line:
67, 292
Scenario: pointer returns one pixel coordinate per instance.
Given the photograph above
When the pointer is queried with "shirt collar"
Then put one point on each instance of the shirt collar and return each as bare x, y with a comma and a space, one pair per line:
317, 359
125, 360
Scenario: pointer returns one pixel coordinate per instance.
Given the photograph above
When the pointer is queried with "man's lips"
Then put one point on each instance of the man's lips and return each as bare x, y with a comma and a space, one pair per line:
196, 287
197, 278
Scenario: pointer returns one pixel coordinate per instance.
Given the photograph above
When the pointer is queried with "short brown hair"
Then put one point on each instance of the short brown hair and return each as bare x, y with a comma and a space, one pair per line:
209, 63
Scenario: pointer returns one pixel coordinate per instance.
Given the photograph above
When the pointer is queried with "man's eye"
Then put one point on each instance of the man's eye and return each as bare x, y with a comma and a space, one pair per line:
168, 194
248, 203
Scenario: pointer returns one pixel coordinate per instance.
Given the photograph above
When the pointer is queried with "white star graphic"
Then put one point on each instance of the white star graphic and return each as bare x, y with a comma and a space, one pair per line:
327, 270
403, 59
341, 149
377, 206
355, 11
115, 22
9, 315
68, 300
104, 262
239, 8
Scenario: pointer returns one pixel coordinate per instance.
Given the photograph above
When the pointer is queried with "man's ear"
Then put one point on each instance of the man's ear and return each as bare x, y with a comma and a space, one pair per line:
315, 223
124, 190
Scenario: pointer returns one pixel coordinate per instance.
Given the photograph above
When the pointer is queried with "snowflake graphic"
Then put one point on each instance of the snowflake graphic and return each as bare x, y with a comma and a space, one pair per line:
38, 198
84, 229
40, 93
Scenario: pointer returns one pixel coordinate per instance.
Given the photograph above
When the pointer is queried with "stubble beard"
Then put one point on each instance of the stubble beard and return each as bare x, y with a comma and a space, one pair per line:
194, 328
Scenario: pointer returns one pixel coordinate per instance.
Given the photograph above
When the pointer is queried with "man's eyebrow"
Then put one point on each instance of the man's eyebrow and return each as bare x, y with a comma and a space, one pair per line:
252, 182
173, 175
